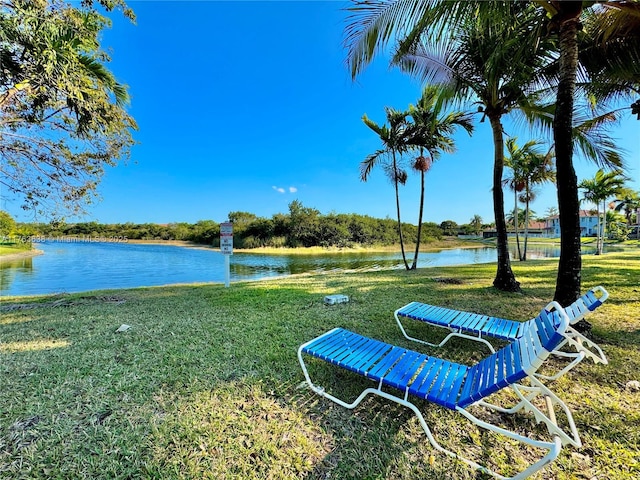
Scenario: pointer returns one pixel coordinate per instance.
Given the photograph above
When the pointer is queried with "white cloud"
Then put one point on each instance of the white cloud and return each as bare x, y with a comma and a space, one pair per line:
283, 190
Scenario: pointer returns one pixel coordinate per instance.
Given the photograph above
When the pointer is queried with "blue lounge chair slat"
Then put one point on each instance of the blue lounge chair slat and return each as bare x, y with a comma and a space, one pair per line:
424, 389
370, 356
477, 383
478, 324
542, 331
502, 329
328, 348
401, 372
430, 363
423, 310
351, 361
509, 362
466, 321
350, 343
451, 316
379, 370
439, 317
447, 389
591, 301
438, 382
517, 361
515, 328
452, 395
489, 371
501, 368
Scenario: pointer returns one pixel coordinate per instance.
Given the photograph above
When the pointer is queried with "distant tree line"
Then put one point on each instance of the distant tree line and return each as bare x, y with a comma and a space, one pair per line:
300, 227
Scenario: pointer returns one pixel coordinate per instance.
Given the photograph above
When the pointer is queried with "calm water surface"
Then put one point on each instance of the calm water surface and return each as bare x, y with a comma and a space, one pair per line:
74, 267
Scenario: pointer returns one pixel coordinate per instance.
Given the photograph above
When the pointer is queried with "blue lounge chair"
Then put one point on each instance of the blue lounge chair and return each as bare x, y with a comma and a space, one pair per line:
479, 327
454, 386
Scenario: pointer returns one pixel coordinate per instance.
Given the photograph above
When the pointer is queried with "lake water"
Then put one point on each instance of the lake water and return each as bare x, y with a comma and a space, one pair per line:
75, 267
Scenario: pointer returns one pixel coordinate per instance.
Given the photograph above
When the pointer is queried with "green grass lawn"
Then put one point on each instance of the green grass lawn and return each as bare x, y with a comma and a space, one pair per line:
206, 383
11, 248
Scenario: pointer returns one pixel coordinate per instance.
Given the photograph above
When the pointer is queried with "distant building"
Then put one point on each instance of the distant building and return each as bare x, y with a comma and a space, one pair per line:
588, 224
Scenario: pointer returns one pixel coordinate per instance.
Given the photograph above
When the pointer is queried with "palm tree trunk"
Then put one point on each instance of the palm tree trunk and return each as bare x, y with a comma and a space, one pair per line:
505, 279
599, 231
570, 262
515, 220
526, 226
415, 255
395, 183
604, 224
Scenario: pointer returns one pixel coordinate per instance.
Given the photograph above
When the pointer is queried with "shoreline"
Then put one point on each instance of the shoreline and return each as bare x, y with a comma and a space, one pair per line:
409, 249
23, 254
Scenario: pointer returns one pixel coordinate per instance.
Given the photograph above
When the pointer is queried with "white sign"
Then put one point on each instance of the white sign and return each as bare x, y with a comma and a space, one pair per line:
226, 245
226, 229
226, 238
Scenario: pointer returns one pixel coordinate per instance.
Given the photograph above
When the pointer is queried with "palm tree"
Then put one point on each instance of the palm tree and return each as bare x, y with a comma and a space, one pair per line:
393, 139
566, 21
472, 67
431, 131
598, 190
628, 200
476, 224
610, 49
530, 167
515, 161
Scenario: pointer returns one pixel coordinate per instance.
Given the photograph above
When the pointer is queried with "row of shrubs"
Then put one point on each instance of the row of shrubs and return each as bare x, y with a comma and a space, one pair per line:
300, 227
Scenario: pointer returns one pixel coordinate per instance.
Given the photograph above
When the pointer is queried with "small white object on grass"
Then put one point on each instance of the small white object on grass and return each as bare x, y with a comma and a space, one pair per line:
333, 299
633, 385
123, 328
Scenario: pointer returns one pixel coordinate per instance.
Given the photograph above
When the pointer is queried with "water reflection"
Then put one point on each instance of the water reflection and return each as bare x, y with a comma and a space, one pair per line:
73, 267
9, 269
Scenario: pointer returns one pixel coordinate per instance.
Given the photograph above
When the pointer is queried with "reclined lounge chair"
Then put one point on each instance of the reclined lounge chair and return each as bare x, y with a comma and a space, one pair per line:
478, 327
454, 386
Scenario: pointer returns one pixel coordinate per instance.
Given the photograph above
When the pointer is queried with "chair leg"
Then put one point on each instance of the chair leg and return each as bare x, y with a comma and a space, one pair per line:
583, 344
577, 358
446, 339
526, 394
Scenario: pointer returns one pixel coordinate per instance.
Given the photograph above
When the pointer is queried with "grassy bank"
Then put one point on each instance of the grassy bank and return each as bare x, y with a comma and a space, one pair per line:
431, 246
13, 248
206, 384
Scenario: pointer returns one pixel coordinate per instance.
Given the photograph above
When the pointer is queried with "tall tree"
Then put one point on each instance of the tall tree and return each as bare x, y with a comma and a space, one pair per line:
485, 63
62, 112
432, 132
393, 138
628, 201
476, 224
609, 50
599, 190
566, 21
530, 167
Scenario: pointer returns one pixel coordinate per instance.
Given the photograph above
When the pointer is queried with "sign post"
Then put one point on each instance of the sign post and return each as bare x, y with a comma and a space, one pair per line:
226, 248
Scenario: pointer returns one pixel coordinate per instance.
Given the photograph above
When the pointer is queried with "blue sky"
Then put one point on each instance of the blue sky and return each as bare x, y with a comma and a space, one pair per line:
246, 106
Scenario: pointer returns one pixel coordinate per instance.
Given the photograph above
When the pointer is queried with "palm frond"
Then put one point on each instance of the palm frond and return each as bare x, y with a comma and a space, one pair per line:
372, 24
367, 165
379, 130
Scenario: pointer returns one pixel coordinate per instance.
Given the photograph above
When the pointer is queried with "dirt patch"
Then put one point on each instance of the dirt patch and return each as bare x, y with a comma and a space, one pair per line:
450, 281
65, 302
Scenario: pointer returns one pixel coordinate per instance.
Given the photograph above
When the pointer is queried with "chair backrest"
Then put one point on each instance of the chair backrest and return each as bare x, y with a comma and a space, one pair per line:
586, 303
518, 359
